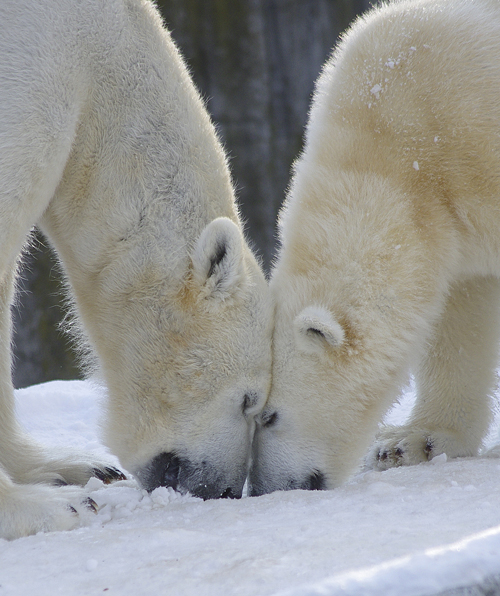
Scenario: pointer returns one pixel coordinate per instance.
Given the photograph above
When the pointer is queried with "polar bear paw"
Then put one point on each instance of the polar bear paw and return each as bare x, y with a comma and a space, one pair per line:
409, 445
63, 466
28, 509
80, 472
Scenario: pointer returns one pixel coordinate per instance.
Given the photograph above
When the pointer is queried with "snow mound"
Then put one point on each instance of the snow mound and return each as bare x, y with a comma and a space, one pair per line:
415, 531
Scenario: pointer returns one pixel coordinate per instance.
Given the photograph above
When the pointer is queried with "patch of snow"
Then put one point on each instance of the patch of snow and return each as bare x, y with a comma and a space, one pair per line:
415, 530
375, 90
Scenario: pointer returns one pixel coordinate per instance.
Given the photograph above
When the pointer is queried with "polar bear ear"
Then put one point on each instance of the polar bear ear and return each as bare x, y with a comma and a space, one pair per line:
218, 258
315, 327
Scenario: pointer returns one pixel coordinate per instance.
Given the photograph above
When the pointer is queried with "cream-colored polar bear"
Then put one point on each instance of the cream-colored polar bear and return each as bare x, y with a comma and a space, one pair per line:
390, 257
107, 147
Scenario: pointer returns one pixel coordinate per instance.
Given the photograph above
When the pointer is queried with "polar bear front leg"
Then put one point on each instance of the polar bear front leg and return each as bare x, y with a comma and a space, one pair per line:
33, 495
455, 380
24, 460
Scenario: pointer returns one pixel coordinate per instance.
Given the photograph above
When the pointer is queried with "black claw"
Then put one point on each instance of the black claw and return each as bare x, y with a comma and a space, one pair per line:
109, 475
72, 509
428, 447
59, 482
90, 504
382, 456
399, 452
99, 474
115, 473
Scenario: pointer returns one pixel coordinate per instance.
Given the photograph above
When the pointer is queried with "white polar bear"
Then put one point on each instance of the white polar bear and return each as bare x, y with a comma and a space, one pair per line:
390, 257
107, 147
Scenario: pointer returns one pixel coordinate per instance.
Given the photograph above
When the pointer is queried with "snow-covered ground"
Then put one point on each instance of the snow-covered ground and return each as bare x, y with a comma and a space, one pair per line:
409, 531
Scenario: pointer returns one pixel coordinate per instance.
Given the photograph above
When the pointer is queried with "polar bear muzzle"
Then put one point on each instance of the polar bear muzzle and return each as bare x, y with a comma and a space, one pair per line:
272, 466
201, 480
258, 484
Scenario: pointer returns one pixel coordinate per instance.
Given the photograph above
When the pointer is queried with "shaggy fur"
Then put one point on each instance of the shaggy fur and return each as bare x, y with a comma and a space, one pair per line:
390, 231
107, 147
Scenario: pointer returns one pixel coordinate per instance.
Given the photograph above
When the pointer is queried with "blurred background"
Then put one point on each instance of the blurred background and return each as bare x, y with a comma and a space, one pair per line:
255, 63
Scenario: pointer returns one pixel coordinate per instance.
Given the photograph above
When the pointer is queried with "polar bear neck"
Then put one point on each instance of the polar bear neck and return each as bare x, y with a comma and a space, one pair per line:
145, 173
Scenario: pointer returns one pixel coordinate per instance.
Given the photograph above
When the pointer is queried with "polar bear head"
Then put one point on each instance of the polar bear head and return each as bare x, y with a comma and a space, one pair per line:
331, 383
194, 368
295, 432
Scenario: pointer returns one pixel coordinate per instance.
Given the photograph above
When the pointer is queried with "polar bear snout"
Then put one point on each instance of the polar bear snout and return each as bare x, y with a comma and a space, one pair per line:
201, 480
281, 465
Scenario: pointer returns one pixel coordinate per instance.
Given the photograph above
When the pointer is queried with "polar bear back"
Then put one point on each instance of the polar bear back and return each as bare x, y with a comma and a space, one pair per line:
412, 95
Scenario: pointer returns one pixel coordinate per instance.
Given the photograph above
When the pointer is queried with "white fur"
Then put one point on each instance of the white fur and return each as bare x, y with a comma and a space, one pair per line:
315, 325
107, 147
392, 225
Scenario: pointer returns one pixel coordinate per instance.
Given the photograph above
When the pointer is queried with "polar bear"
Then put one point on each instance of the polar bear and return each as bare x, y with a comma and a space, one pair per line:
106, 146
390, 256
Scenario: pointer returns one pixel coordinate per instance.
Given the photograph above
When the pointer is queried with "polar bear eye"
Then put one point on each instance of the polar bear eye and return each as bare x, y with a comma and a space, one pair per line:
250, 400
268, 419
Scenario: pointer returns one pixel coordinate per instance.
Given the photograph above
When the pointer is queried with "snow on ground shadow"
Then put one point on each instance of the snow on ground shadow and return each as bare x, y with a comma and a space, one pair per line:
427, 529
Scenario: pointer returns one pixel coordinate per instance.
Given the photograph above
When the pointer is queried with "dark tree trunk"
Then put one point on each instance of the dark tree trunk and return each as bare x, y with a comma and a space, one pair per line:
255, 62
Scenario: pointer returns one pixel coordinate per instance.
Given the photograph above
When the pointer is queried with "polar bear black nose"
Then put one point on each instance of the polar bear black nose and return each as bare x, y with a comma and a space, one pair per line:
162, 470
316, 481
172, 466
201, 479
229, 494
